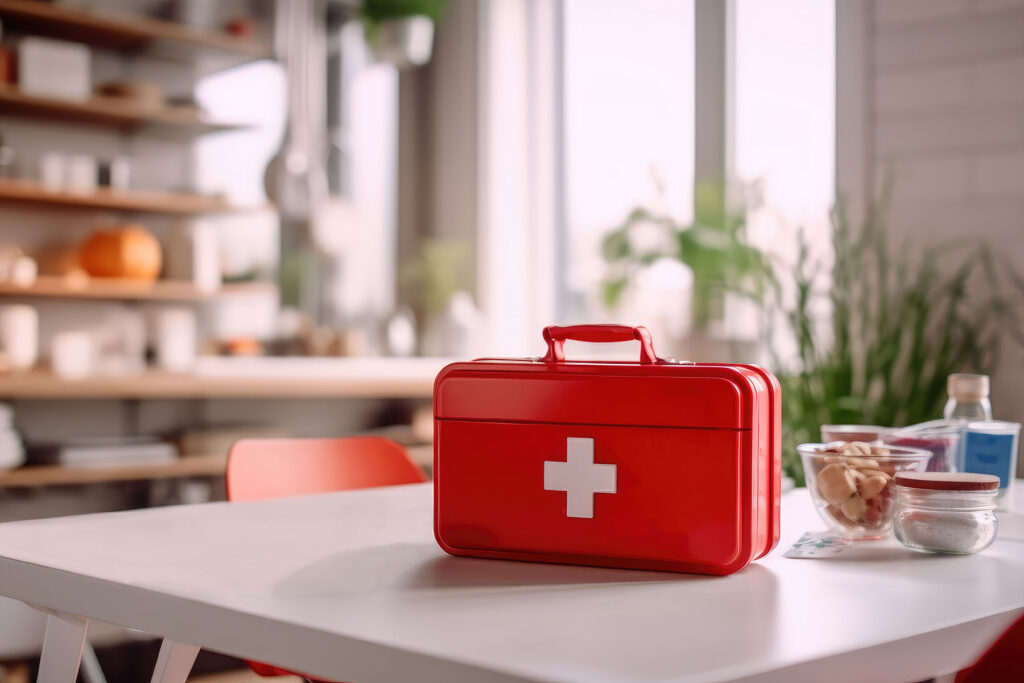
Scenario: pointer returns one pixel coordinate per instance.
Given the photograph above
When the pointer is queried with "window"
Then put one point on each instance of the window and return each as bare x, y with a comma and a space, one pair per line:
785, 116
628, 142
589, 112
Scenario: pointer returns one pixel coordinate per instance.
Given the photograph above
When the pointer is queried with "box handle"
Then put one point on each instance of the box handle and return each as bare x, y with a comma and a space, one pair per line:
556, 336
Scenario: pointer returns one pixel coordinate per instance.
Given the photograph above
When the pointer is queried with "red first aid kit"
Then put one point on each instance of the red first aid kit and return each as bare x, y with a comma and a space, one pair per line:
651, 465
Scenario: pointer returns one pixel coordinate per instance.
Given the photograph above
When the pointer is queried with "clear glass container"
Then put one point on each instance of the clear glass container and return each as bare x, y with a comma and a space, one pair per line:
853, 493
940, 437
945, 512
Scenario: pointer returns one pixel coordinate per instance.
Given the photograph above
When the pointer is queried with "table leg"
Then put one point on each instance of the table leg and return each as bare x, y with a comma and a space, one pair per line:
174, 661
91, 672
62, 648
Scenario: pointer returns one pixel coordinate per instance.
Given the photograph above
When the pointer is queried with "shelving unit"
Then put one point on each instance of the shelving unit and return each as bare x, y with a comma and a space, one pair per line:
148, 201
118, 112
129, 290
122, 32
58, 475
243, 379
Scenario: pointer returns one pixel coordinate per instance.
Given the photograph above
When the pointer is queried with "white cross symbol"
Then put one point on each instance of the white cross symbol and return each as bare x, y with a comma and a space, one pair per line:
579, 477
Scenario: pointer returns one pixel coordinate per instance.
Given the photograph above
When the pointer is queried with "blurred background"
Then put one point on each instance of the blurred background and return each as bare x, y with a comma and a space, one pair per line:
246, 217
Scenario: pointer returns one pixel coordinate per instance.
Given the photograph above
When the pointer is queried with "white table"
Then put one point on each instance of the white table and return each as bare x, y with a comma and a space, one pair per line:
351, 586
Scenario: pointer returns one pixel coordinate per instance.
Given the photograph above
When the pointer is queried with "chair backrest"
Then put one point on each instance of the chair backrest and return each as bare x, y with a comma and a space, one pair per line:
259, 469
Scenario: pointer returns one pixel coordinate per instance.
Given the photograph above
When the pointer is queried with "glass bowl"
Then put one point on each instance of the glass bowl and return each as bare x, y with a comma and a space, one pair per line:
868, 433
854, 494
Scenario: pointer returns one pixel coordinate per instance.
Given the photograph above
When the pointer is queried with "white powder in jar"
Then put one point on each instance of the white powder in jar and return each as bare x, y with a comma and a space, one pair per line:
945, 532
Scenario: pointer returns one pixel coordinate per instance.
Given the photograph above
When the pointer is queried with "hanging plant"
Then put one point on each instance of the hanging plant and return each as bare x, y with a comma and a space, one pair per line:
401, 31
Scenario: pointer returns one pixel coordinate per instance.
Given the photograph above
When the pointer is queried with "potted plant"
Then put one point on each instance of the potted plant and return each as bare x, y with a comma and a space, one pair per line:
713, 247
437, 283
902, 320
401, 31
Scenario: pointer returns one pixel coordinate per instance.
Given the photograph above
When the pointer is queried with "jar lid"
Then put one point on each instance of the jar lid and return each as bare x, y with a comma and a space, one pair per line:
948, 481
965, 387
993, 427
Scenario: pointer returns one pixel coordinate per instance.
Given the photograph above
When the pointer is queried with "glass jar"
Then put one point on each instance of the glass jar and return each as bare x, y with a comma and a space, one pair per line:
945, 512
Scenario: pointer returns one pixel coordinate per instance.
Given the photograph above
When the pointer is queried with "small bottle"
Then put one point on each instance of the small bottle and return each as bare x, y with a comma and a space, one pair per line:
968, 398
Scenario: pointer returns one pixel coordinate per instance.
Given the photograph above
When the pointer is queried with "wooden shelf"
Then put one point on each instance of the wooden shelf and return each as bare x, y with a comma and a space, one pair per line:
147, 201
259, 378
119, 31
58, 475
119, 112
129, 290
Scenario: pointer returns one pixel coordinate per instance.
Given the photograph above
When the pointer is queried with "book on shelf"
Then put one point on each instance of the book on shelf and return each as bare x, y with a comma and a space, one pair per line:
103, 452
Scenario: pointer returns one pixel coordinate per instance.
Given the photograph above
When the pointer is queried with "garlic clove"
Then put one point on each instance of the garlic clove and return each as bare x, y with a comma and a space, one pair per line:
854, 508
856, 448
870, 487
862, 463
835, 484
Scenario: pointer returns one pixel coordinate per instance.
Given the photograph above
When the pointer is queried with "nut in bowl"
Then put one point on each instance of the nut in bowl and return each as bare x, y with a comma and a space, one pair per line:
851, 484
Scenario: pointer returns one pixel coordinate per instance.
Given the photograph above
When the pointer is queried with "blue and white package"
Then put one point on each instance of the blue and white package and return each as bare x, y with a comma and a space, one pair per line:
990, 447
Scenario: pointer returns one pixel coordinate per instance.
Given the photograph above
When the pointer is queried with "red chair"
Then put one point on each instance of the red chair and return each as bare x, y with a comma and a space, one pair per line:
261, 469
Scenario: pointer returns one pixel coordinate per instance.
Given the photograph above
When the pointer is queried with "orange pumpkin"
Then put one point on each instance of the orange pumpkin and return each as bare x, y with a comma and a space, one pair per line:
128, 252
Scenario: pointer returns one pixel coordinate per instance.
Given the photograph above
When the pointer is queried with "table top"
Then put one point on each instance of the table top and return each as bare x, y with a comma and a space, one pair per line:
352, 586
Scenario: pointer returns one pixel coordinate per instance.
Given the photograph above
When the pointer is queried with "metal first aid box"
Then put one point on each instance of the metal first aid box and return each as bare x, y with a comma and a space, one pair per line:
653, 464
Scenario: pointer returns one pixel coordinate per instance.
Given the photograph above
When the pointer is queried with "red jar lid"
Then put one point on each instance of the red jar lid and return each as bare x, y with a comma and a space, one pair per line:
948, 481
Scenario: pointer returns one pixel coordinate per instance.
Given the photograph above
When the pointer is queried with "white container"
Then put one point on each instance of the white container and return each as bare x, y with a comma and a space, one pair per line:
82, 174
193, 254
73, 354
175, 331
120, 173
12, 451
19, 335
54, 68
990, 447
17, 268
53, 171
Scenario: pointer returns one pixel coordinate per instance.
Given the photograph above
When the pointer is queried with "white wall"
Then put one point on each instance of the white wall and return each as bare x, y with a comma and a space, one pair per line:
942, 118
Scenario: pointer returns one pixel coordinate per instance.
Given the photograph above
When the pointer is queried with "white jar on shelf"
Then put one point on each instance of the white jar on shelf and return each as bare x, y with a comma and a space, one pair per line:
73, 354
175, 331
19, 335
193, 255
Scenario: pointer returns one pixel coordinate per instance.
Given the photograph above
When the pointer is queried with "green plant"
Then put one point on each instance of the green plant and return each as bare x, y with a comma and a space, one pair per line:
901, 321
713, 246
373, 12
438, 271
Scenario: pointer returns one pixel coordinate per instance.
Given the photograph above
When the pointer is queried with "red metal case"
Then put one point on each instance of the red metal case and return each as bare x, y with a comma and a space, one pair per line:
650, 465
